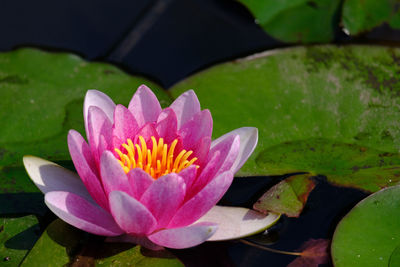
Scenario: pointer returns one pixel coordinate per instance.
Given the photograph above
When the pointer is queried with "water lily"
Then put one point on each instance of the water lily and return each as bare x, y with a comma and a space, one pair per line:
149, 175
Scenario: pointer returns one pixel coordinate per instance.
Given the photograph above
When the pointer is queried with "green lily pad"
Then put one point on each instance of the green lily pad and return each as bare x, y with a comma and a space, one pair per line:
62, 244
17, 237
137, 256
287, 197
395, 257
294, 20
343, 164
363, 15
56, 246
369, 234
44, 92
311, 96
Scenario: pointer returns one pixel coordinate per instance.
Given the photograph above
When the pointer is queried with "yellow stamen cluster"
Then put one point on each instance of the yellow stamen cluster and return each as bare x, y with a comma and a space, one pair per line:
157, 161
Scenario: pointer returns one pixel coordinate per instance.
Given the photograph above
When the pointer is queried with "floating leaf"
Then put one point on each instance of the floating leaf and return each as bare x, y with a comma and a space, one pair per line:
343, 164
44, 92
56, 245
137, 256
363, 15
295, 20
17, 237
287, 197
369, 234
313, 253
394, 260
63, 244
311, 96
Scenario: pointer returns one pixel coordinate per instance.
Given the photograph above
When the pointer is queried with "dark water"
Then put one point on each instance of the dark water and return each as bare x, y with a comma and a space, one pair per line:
325, 207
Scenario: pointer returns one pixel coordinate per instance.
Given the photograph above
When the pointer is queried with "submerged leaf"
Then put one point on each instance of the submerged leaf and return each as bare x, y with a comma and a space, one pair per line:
314, 252
287, 197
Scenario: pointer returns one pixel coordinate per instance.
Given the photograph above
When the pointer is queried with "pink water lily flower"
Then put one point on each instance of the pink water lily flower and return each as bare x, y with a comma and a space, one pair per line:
149, 175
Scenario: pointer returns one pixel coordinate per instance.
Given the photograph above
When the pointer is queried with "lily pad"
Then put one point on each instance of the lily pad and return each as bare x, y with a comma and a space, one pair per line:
62, 244
55, 247
395, 257
294, 20
44, 92
338, 99
287, 197
343, 164
363, 15
17, 237
369, 234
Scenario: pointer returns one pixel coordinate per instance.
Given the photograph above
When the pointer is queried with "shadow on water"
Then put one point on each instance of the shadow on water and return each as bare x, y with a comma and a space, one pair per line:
22, 203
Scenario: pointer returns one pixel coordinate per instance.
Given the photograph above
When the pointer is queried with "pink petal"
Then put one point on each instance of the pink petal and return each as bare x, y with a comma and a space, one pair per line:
49, 176
223, 155
167, 125
80, 213
164, 197
229, 149
135, 239
185, 107
112, 174
84, 165
198, 127
184, 237
206, 175
189, 175
139, 181
200, 151
203, 201
125, 125
147, 131
248, 141
100, 132
100, 100
130, 214
144, 106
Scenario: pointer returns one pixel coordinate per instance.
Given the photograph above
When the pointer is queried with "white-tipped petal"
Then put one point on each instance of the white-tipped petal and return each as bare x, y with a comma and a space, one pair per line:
248, 141
236, 222
49, 176
100, 100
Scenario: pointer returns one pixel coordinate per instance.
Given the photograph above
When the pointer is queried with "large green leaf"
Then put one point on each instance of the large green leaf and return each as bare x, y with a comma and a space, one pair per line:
17, 237
369, 234
325, 101
343, 164
62, 244
297, 20
363, 15
56, 246
41, 97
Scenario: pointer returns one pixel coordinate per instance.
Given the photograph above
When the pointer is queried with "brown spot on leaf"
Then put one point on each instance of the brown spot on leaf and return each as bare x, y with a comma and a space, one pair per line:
108, 72
13, 79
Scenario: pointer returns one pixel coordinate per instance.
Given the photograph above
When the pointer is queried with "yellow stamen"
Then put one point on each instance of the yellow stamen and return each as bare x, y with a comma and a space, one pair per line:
157, 161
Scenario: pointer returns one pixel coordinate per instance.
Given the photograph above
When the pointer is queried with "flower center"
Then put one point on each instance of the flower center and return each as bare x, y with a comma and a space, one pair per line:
157, 161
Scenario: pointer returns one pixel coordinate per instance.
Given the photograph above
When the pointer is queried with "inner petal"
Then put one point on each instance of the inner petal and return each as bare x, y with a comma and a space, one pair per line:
157, 160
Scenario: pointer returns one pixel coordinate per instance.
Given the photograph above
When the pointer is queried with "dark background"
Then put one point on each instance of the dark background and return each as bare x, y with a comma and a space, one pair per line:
168, 40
